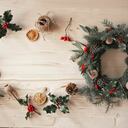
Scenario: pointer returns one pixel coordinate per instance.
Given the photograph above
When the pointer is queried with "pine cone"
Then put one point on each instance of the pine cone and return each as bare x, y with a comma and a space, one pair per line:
71, 89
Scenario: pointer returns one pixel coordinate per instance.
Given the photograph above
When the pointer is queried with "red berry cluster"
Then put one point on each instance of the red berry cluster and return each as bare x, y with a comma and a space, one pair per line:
5, 25
31, 108
92, 57
65, 38
85, 49
83, 67
112, 90
97, 86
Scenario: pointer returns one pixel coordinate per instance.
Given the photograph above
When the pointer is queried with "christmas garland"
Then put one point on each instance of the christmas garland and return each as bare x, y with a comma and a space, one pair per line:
102, 89
5, 23
57, 102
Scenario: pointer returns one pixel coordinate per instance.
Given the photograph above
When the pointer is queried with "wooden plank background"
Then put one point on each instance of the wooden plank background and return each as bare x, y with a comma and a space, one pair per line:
31, 66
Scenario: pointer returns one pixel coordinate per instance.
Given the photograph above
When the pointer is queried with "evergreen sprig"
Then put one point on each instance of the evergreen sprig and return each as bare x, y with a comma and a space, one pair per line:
107, 23
5, 23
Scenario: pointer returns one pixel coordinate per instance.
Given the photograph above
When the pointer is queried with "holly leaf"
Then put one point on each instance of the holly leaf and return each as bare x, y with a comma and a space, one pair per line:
23, 101
2, 32
7, 16
50, 108
53, 98
64, 109
64, 99
14, 27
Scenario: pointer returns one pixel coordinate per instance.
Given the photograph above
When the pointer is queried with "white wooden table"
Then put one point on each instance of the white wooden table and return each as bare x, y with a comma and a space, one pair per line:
31, 66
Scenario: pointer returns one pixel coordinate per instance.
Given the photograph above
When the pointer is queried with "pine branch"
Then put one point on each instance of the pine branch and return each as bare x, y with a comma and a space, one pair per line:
89, 30
107, 23
93, 39
86, 29
78, 45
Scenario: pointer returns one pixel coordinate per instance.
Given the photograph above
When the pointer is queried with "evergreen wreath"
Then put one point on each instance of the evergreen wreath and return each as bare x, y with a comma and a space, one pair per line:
5, 23
102, 89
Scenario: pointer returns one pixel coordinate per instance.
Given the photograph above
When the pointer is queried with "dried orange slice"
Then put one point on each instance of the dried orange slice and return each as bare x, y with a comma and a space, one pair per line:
32, 34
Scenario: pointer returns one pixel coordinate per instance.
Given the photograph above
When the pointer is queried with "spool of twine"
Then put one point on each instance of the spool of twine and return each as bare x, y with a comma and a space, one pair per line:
43, 23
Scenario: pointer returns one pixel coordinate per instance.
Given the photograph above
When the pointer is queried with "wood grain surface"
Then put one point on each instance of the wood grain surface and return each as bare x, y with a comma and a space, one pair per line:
30, 66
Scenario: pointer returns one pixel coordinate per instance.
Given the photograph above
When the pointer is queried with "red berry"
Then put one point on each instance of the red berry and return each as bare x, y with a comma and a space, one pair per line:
97, 86
83, 67
65, 38
68, 38
85, 49
31, 108
5, 25
112, 90
92, 57
62, 38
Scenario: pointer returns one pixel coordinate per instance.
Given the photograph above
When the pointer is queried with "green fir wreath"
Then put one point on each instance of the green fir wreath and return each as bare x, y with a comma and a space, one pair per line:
102, 89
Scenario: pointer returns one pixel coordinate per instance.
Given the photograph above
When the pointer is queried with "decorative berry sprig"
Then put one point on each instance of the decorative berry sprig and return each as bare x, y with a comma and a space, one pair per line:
26, 102
5, 23
57, 103
66, 37
30, 108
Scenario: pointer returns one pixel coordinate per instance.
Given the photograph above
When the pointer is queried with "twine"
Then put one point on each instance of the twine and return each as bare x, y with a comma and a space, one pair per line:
44, 23
68, 26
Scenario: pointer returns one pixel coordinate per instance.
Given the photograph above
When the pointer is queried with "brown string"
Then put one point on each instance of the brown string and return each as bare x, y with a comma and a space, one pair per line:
68, 26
